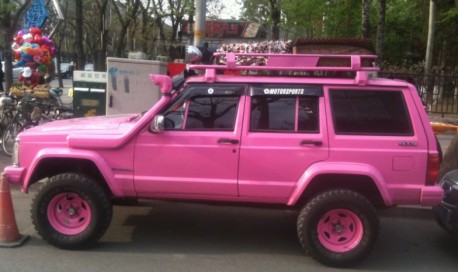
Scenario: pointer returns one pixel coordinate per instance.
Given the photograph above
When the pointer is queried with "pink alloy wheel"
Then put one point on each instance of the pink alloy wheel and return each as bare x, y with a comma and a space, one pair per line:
340, 230
69, 214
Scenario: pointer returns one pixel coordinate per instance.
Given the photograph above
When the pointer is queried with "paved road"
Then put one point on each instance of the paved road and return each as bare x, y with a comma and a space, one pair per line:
169, 237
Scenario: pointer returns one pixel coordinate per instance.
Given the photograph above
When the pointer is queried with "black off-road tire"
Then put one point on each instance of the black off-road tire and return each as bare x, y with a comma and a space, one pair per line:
364, 223
71, 211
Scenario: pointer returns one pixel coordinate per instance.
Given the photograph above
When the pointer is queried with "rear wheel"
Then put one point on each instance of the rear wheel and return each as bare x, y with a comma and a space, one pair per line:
338, 228
71, 211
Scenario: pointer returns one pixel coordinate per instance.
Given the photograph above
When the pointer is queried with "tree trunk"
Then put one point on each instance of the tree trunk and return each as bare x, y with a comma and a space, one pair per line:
80, 58
100, 54
430, 43
132, 8
145, 17
366, 19
380, 28
275, 6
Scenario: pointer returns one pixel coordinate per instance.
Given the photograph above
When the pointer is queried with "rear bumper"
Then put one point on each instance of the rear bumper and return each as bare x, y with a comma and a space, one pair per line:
14, 174
431, 195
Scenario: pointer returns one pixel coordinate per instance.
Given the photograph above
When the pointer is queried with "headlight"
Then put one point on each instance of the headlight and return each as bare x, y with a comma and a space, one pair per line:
15, 156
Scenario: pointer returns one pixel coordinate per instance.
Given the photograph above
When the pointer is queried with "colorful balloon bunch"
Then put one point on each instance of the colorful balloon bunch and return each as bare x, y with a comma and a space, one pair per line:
33, 49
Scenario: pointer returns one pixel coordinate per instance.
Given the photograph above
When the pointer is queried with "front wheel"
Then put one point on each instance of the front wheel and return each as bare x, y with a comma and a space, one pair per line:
338, 228
71, 211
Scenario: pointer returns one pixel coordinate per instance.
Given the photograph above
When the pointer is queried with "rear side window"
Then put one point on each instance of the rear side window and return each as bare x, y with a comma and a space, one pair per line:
284, 108
370, 112
284, 114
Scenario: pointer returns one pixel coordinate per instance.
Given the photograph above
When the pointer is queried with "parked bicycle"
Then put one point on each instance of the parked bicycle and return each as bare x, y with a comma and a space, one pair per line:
32, 110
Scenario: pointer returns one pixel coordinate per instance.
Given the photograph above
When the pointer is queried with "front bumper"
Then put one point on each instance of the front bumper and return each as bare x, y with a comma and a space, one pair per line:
14, 174
447, 210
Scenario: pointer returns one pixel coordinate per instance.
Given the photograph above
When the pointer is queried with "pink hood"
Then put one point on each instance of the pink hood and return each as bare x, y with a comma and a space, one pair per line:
107, 124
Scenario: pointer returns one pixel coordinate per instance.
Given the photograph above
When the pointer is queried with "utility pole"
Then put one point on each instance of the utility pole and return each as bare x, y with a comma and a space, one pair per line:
192, 12
199, 29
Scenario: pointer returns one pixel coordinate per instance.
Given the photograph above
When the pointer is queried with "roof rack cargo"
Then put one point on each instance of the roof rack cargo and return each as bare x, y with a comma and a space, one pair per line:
361, 64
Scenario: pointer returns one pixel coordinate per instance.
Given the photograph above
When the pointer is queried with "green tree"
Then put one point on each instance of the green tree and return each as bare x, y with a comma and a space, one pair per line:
446, 29
343, 18
303, 19
405, 34
264, 11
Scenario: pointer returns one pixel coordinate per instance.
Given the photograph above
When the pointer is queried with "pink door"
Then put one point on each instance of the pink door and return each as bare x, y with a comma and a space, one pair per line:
284, 134
197, 154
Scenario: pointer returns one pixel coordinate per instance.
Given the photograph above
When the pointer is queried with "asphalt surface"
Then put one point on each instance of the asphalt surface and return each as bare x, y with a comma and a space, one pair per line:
169, 237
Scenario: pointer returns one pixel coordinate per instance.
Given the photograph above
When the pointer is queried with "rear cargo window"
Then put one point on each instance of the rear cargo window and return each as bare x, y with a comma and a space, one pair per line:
284, 114
370, 112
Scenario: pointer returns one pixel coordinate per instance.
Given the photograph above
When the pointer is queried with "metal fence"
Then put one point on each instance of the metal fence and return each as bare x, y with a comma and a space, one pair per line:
439, 92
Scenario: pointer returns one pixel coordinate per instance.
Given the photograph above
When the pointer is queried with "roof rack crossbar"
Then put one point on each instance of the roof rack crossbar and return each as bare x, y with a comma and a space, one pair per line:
292, 62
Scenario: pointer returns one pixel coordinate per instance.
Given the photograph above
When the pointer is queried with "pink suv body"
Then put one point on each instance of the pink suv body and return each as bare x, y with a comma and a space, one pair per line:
292, 132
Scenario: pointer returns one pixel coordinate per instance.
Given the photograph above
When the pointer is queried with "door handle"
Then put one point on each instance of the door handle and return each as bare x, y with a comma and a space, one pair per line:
228, 141
311, 142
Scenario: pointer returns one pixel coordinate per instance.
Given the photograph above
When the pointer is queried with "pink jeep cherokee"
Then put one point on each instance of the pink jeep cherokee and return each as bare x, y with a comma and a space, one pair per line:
325, 139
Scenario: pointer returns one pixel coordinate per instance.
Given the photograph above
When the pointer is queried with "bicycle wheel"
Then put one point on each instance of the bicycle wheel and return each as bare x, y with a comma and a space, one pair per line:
9, 136
2, 130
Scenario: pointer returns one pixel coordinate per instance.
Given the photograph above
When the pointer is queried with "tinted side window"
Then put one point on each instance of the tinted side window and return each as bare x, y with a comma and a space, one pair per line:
370, 112
204, 107
212, 113
287, 114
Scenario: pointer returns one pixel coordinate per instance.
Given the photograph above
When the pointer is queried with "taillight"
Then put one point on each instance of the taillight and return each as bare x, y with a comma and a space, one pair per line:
432, 173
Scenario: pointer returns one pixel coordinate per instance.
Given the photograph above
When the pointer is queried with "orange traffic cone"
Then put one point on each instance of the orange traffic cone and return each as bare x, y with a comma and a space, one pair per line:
9, 233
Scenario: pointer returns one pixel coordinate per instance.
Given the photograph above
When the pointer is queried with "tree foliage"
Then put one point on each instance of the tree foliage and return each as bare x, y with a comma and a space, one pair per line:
398, 28
115, 27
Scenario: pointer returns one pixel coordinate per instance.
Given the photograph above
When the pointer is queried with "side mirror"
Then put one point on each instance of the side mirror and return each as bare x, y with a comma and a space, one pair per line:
157, 125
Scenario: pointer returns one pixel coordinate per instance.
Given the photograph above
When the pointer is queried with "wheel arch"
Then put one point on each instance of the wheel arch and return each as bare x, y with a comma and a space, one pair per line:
47, 165
363, 179
52, 166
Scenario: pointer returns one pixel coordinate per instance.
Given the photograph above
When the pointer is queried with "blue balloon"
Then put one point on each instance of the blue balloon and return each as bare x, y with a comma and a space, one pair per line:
26, 57
20, 63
